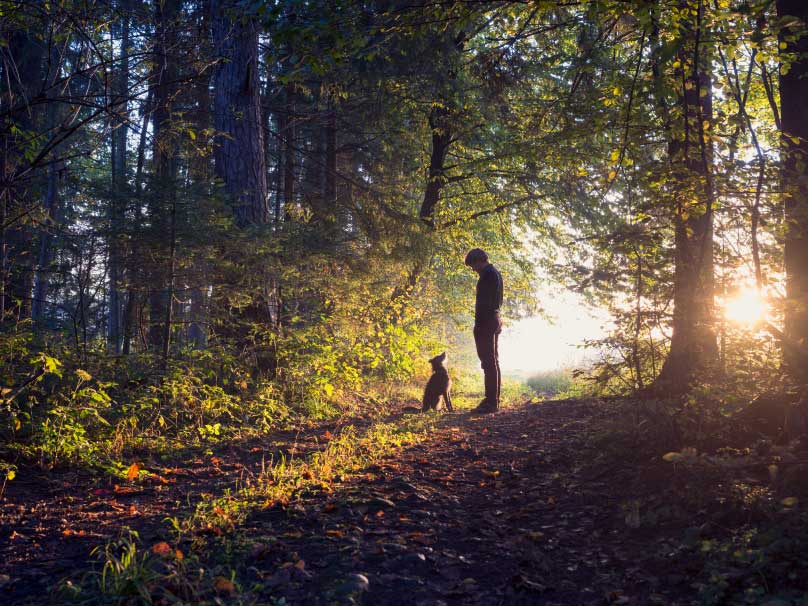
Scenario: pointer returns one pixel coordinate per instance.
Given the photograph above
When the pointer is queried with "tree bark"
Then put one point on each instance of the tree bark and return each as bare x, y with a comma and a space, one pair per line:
794, 147
119, 189
693, 348
22, 75
239, 154
165, 167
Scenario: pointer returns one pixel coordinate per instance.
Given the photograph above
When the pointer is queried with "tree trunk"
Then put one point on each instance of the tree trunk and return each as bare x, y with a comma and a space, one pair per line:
51, 206
693, 347
165, 167
794, 146
119, 189
21, 77
239, 154
439, 124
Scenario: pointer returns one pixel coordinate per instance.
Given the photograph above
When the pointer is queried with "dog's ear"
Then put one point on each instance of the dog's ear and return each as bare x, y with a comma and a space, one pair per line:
442, 357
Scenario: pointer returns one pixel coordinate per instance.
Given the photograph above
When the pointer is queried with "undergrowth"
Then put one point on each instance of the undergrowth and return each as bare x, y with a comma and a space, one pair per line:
190, 566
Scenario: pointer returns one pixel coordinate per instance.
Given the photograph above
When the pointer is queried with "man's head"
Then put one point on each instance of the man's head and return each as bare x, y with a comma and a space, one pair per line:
477, 259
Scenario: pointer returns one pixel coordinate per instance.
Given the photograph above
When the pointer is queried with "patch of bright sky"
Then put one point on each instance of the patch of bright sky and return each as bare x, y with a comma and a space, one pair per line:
536, 344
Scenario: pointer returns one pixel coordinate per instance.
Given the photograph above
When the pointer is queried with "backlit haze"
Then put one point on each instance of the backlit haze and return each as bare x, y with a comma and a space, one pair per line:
537, 344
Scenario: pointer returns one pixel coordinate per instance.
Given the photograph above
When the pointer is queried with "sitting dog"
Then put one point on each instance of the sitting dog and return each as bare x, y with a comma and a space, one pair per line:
438, 385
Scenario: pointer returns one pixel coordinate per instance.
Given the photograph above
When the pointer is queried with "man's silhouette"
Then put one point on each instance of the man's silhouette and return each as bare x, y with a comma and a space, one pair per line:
487, 326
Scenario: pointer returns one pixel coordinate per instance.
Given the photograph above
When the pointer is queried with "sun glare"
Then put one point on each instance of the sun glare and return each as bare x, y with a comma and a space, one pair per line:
747, 307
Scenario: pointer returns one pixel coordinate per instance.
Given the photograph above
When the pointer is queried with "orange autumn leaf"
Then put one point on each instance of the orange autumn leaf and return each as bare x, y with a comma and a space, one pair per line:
162, 548
133, 471
179, 555
327, 435
334, 533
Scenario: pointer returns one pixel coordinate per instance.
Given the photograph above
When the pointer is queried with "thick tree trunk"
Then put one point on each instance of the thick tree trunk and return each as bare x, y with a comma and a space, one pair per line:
165, 168
22, 75
693, 347
794, 122
239, 153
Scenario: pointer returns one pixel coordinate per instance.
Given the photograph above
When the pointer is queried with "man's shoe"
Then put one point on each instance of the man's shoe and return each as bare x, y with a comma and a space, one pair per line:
485, 407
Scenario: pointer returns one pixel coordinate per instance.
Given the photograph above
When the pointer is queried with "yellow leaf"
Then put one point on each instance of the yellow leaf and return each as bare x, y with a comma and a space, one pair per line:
615, 155
782, 46
535, 536
612, 175
133, 471
83, 374
790, 501
11, 474
671, 457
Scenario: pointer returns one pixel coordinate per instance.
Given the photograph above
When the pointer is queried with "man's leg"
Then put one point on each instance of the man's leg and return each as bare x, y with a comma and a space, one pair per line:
496, 362
485, 340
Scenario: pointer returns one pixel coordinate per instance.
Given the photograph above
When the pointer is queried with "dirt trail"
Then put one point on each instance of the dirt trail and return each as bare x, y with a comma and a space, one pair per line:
499, 509
493, 510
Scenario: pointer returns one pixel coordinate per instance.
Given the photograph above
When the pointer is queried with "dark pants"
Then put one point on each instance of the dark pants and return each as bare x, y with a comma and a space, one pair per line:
486, 338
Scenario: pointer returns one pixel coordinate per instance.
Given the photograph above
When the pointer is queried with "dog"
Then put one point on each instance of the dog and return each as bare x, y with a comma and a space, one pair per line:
439, 384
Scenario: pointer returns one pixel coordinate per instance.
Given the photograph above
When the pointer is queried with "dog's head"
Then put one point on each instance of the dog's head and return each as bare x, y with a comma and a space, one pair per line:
438, 361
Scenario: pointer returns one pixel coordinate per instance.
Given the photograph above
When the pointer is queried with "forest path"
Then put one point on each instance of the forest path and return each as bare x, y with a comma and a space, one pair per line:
497, 509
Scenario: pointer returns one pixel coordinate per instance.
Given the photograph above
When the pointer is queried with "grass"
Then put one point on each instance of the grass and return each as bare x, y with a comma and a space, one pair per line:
134, 573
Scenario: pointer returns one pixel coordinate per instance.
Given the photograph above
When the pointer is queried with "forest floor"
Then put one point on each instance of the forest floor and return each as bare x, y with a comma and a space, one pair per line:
511, 508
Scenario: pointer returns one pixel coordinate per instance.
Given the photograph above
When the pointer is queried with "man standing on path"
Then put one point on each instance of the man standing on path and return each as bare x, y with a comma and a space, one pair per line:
487, 326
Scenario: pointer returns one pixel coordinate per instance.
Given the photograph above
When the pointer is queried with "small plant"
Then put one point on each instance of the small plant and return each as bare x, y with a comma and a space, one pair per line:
127, 576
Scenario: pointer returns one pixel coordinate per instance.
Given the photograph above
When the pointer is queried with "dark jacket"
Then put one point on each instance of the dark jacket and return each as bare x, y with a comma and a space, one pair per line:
489, 297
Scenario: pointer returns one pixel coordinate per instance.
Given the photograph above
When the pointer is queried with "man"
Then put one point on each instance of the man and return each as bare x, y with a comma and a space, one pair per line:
487, 326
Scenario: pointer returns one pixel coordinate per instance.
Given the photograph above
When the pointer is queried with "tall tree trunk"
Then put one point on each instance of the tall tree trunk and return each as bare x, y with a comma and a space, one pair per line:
52, 202
118, 195
794, 146
693, 347
134, 268
288, 135
21, 77
165, 166
239, 154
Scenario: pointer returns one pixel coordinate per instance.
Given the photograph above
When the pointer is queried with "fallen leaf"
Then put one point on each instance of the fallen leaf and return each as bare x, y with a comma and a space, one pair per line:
162, 548
224, 585
790, 501
133, 471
